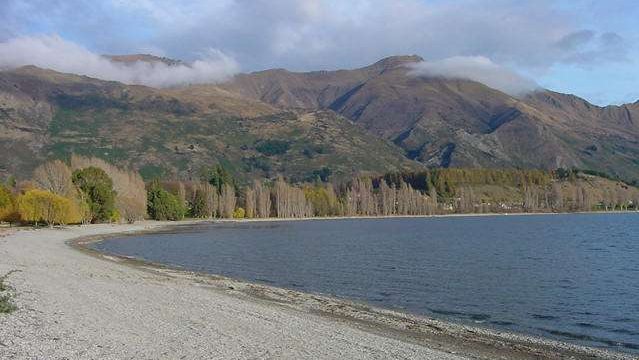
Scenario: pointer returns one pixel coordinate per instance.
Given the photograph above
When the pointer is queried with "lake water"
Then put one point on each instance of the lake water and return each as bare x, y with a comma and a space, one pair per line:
573, 278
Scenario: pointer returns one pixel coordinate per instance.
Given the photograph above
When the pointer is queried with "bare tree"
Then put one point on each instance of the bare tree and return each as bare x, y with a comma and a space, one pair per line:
557, 197
250, 203
263, 200
54, 176
290, 202
388, 198
227, 201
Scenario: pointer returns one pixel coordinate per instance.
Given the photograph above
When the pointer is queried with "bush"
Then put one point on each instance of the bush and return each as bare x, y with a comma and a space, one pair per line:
6, 306
44, 206
239, 213
97, 188
162, 205
273, 147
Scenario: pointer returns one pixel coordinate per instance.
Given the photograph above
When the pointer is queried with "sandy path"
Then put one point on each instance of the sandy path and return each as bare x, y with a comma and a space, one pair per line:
72, 305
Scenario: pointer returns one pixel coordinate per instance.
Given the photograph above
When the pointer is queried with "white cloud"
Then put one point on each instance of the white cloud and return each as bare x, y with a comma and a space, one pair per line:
324, 34
55, 53
313, 34
476, 68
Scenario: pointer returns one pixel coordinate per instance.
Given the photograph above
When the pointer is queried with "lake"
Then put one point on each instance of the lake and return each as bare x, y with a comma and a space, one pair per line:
573, 278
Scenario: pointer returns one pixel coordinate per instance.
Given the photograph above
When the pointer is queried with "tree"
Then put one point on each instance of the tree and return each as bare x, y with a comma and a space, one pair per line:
8, 210
388, 198
128, 185
433, 200
263, 200
318, 196
197, 205
43, 206
162, 205
250, 203
218, 176
202, 199
227, 201
54, 176
97, 186
290, 201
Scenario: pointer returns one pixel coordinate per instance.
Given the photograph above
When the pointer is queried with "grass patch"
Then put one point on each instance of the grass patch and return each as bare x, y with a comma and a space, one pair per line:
6, 306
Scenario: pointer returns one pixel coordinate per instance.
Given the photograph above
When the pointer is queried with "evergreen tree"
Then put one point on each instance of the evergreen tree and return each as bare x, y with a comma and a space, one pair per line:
98, 189
162, 205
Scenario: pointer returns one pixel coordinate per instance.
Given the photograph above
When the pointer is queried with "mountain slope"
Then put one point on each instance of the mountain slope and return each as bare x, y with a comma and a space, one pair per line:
461, 123
376, 118
176, 132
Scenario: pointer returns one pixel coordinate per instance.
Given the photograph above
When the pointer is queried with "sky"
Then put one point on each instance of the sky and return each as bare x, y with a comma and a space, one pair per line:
586, 47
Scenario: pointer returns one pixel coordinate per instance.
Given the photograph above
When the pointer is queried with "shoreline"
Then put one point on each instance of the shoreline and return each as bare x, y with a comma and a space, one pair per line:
434, 216
436, 338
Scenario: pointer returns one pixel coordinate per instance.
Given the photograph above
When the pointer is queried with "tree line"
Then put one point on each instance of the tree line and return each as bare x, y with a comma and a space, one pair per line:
90, 190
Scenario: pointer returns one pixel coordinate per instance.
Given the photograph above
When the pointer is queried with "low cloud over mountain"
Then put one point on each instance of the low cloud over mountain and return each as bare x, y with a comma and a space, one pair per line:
55, 53
476, 68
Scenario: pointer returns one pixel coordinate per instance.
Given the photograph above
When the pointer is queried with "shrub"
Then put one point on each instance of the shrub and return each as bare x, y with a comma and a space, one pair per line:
273, 147
43, 206
239, 213
6, 306
97, 188
162, 205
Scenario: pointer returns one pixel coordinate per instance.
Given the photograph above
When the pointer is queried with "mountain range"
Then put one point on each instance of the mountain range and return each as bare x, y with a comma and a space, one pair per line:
302, 124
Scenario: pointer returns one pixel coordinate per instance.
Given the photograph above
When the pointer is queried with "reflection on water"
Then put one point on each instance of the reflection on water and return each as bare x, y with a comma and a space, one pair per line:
569, 277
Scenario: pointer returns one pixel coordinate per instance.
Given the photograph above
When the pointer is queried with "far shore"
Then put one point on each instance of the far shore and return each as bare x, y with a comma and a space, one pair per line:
452, 215
84, 304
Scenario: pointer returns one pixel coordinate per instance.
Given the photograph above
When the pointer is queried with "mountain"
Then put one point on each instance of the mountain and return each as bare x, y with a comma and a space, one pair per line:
176, 132
372, 119
460, 123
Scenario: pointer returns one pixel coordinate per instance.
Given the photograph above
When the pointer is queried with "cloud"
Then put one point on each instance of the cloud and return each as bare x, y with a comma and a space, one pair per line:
476, 68
325, 34
55, 53
585, 47
313, 34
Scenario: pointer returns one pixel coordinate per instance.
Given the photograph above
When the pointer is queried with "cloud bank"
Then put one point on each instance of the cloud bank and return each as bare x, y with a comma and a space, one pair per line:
53, 52
541, 38
476, 68
321, 34
324, 34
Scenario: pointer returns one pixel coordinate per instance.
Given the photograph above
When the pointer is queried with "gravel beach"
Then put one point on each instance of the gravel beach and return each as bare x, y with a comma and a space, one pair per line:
73, 303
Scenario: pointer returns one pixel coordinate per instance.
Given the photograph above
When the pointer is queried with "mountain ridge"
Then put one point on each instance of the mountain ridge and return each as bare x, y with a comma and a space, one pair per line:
456, 122
432, 121
173, 133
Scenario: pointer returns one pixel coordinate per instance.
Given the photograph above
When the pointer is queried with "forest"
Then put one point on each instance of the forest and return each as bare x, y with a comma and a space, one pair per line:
90, 190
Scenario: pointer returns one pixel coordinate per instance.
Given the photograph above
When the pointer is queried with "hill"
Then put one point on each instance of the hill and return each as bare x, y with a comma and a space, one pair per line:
176, 132
461, 123
378, 118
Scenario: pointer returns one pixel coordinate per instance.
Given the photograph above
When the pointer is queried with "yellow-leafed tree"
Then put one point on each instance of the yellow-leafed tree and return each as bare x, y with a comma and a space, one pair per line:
43, 206
8, 211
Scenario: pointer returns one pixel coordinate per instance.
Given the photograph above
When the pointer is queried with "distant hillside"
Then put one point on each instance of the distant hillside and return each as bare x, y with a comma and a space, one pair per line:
175, 133
374, 119
444, 122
